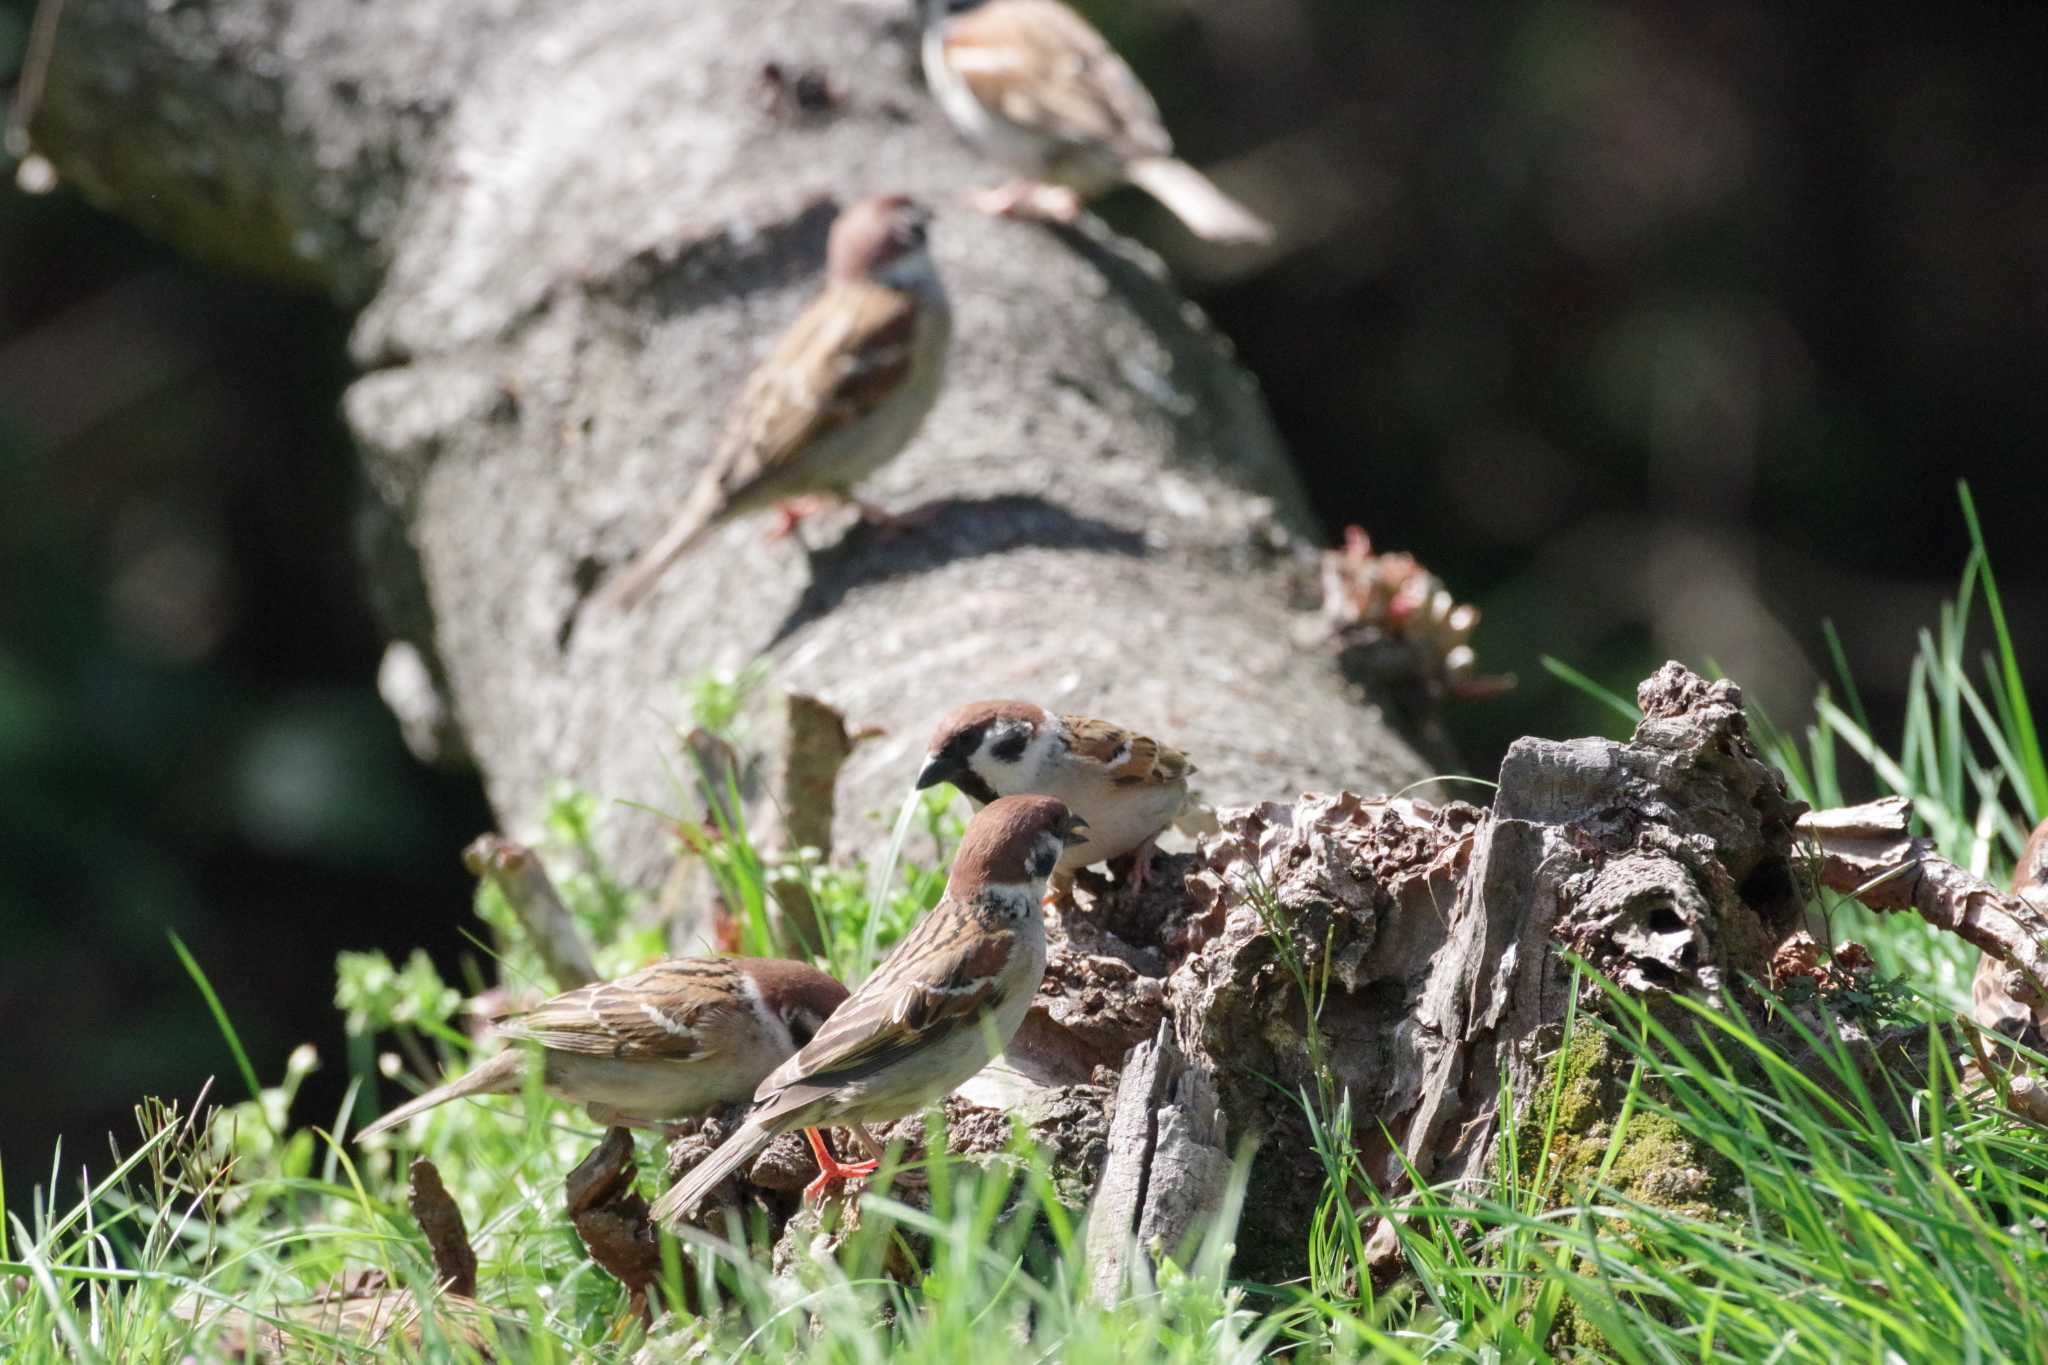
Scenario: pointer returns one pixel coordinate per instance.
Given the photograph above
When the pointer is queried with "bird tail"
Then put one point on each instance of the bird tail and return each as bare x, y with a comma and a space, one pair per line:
695, 521
736, 1151
1194, 199
503, 1074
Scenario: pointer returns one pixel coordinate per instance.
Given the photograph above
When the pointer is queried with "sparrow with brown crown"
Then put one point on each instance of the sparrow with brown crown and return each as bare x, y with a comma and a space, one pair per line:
945, 1001
840, 396
671, 1041
1127, 787
1033, 85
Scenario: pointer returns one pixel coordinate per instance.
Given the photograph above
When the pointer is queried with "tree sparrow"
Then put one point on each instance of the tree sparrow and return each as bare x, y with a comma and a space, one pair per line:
669, 1041
1032, 84
945, 1000
1127, 787
840, 396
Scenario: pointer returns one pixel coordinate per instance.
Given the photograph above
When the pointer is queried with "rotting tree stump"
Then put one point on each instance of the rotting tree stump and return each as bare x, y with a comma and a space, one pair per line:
1433, 936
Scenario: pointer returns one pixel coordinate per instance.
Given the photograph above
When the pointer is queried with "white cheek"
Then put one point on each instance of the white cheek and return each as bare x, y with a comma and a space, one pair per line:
998, 774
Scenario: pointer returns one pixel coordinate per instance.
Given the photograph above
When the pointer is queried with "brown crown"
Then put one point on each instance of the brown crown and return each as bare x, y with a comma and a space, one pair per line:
784, 983
871, 232
976, 715
1000, 838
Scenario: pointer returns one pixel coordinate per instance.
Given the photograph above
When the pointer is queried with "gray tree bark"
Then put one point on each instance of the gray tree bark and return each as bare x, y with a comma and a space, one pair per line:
570, 230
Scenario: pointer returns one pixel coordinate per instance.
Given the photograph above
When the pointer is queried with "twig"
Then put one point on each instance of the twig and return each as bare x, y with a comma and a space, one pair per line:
1868, 853
35, 67
517, 873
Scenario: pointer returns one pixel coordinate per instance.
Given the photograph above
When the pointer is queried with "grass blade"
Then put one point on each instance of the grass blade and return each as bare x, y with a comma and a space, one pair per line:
220, 1015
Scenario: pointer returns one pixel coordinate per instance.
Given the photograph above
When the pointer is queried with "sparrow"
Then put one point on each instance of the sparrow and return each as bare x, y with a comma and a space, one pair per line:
1127, 787
944, 1001
1031, 83
842, 393
667, 1042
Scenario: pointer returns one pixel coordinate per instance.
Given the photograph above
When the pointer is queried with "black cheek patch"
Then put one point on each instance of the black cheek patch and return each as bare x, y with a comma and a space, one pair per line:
1010, 747
971, 785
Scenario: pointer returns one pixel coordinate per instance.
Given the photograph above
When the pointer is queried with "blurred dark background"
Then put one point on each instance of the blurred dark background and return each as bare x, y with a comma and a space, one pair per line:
1655, 330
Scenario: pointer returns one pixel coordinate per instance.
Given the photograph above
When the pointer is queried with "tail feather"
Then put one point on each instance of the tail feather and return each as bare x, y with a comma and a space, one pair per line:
695, 521
1194, 199
503, 1074
736, 1151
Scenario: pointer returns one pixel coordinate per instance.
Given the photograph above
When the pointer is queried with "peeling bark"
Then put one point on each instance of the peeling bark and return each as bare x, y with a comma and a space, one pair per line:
435, 1210
612, 1219
1665, 861
1168, 1165
1868, 852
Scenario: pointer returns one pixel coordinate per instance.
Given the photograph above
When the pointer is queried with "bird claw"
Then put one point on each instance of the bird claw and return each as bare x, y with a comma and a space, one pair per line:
837, 1174
831, 1170
790, 512
1030, 200
1141, 868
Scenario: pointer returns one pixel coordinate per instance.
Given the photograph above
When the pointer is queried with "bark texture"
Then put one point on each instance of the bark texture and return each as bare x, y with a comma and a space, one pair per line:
1430, 936
570, 231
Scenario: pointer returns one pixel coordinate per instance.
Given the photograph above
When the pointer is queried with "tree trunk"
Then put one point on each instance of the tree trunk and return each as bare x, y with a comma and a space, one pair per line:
570, 231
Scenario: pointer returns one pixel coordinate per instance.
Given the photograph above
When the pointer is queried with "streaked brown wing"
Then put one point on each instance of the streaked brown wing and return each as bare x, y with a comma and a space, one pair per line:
839, 361
1129, 760
1042, 66
946, 973
661, 1011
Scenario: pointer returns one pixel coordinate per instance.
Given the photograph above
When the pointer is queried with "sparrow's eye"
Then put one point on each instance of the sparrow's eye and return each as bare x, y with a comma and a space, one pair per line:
1045, 856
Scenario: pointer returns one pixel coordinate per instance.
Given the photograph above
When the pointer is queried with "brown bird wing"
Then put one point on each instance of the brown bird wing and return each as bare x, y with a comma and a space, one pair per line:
945, 974
664, 1011
1041, 66
1129, 760
845, 356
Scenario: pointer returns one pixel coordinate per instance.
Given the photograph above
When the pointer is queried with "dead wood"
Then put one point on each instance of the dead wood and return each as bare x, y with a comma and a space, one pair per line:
1868, 852
435, 1210
518, 874
611, 1217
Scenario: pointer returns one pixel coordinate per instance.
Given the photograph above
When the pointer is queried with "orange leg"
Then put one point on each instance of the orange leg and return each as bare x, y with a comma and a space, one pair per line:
1141, 864
831, 1170
791, 511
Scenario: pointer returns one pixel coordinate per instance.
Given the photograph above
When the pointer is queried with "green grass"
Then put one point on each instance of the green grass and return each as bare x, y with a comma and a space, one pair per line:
1968, 757
1682, 1189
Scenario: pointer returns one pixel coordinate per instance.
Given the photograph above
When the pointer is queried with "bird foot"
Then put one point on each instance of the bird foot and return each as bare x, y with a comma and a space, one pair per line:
831, 1170
910, 1180
1030, 200
1141, 868
791, 512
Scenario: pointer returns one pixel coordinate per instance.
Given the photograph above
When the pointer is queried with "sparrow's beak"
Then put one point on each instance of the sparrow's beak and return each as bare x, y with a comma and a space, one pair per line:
1077, 831
936, 770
